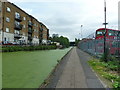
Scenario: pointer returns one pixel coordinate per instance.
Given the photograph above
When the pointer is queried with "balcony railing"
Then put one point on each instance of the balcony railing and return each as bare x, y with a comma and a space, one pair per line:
30, 31
30, 24
18, 18
17, 35
18, 27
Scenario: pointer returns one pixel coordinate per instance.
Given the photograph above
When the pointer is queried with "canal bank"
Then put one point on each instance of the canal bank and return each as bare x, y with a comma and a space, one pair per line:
29, 69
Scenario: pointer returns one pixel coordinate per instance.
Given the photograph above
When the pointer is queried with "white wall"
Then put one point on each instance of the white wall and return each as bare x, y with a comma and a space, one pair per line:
0, 35
44, 41
24, 39
35, 41
9, 37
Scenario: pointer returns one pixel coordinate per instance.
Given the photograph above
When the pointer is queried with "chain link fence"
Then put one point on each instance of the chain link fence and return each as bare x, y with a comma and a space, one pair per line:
96, 47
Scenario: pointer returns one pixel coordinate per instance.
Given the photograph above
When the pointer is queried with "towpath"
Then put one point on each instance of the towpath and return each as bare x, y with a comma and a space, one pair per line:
74, 72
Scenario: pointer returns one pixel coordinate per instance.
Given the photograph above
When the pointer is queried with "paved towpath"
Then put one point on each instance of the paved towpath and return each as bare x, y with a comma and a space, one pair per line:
74, 72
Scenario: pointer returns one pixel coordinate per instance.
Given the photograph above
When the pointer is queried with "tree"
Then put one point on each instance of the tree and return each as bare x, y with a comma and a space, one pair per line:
64, 41
77, 41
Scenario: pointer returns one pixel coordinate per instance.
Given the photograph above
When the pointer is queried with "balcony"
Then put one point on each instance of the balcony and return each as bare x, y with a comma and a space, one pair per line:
18, 26
30, 31
18, 18
30, 37
30, 24
18, 36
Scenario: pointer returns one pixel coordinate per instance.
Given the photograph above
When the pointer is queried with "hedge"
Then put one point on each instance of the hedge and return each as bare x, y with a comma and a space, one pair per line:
27, 48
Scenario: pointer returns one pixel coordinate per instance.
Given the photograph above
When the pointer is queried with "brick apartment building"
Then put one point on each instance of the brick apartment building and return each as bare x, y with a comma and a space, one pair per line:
18, 27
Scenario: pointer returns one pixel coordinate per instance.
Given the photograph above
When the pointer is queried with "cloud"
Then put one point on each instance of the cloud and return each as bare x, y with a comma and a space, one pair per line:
65, 17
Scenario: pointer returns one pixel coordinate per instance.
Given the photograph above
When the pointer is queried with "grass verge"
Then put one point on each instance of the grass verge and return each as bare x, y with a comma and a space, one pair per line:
107, 75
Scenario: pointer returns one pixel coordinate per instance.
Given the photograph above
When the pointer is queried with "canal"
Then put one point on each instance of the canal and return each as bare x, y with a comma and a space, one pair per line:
28, 69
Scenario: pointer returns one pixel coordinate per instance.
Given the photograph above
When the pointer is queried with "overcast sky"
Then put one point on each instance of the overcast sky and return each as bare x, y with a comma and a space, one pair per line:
65, 17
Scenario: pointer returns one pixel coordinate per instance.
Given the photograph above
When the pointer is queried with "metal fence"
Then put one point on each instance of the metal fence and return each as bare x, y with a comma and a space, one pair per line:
96, 47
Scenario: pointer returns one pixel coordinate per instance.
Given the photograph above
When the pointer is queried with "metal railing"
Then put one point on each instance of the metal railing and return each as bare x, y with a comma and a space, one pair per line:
18, 26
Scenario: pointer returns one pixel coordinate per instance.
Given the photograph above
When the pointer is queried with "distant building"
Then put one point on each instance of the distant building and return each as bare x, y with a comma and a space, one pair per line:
18, 27
55, 35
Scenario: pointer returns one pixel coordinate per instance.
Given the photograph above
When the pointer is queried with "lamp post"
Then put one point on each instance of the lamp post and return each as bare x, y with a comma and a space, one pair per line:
81, 31
105, 58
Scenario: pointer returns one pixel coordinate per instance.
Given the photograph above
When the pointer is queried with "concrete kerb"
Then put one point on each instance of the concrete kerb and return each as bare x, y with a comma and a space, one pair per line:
46, 81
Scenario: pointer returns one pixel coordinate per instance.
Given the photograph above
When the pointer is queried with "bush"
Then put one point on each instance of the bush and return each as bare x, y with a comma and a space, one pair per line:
116, 85
105, 55
27, 48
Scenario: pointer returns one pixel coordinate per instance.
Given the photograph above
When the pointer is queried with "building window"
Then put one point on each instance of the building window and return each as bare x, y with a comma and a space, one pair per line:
23, 26
24, 18
7, 30
5, 39
0, 9
17, 15
7, 19
8, 9
35, 25
34, 30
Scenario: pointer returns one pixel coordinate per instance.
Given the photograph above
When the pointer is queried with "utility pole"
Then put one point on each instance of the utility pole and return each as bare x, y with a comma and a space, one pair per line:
105, 58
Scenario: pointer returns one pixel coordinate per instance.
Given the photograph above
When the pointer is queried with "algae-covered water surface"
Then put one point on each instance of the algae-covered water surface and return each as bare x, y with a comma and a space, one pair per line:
28, 69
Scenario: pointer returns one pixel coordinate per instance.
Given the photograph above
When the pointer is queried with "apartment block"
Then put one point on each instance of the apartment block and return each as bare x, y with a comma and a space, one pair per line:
18, 27
45, 34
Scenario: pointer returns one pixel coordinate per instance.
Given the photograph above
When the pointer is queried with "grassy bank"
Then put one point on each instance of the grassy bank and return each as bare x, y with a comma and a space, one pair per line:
27, 48
108, 72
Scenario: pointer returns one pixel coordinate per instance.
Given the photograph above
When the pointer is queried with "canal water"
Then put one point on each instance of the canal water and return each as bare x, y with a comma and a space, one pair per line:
28, 69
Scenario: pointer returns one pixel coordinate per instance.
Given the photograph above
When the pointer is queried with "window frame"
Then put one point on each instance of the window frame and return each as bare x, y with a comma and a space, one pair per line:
8, 9
7, 30
7, 19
